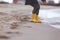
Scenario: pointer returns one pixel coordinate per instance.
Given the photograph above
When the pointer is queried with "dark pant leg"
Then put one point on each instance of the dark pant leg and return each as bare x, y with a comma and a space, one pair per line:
36, 8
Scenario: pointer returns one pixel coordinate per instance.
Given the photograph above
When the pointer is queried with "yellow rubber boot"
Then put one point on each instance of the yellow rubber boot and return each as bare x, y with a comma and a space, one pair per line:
35, 18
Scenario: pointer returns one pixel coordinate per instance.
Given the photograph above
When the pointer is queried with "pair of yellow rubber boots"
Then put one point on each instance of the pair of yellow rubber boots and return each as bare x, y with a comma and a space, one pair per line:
35, 18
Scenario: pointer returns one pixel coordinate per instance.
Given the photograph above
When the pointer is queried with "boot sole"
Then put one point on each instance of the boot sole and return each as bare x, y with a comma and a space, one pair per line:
36, 22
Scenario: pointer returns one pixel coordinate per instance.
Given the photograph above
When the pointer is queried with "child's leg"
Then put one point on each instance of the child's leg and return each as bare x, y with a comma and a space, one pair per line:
35, 13
36, 9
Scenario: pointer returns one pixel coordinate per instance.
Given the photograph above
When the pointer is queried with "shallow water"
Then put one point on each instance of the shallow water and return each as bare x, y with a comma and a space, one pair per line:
51, 16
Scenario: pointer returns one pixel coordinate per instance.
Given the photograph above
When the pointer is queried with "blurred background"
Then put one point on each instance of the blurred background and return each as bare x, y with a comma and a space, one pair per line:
15, 20
49, 2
